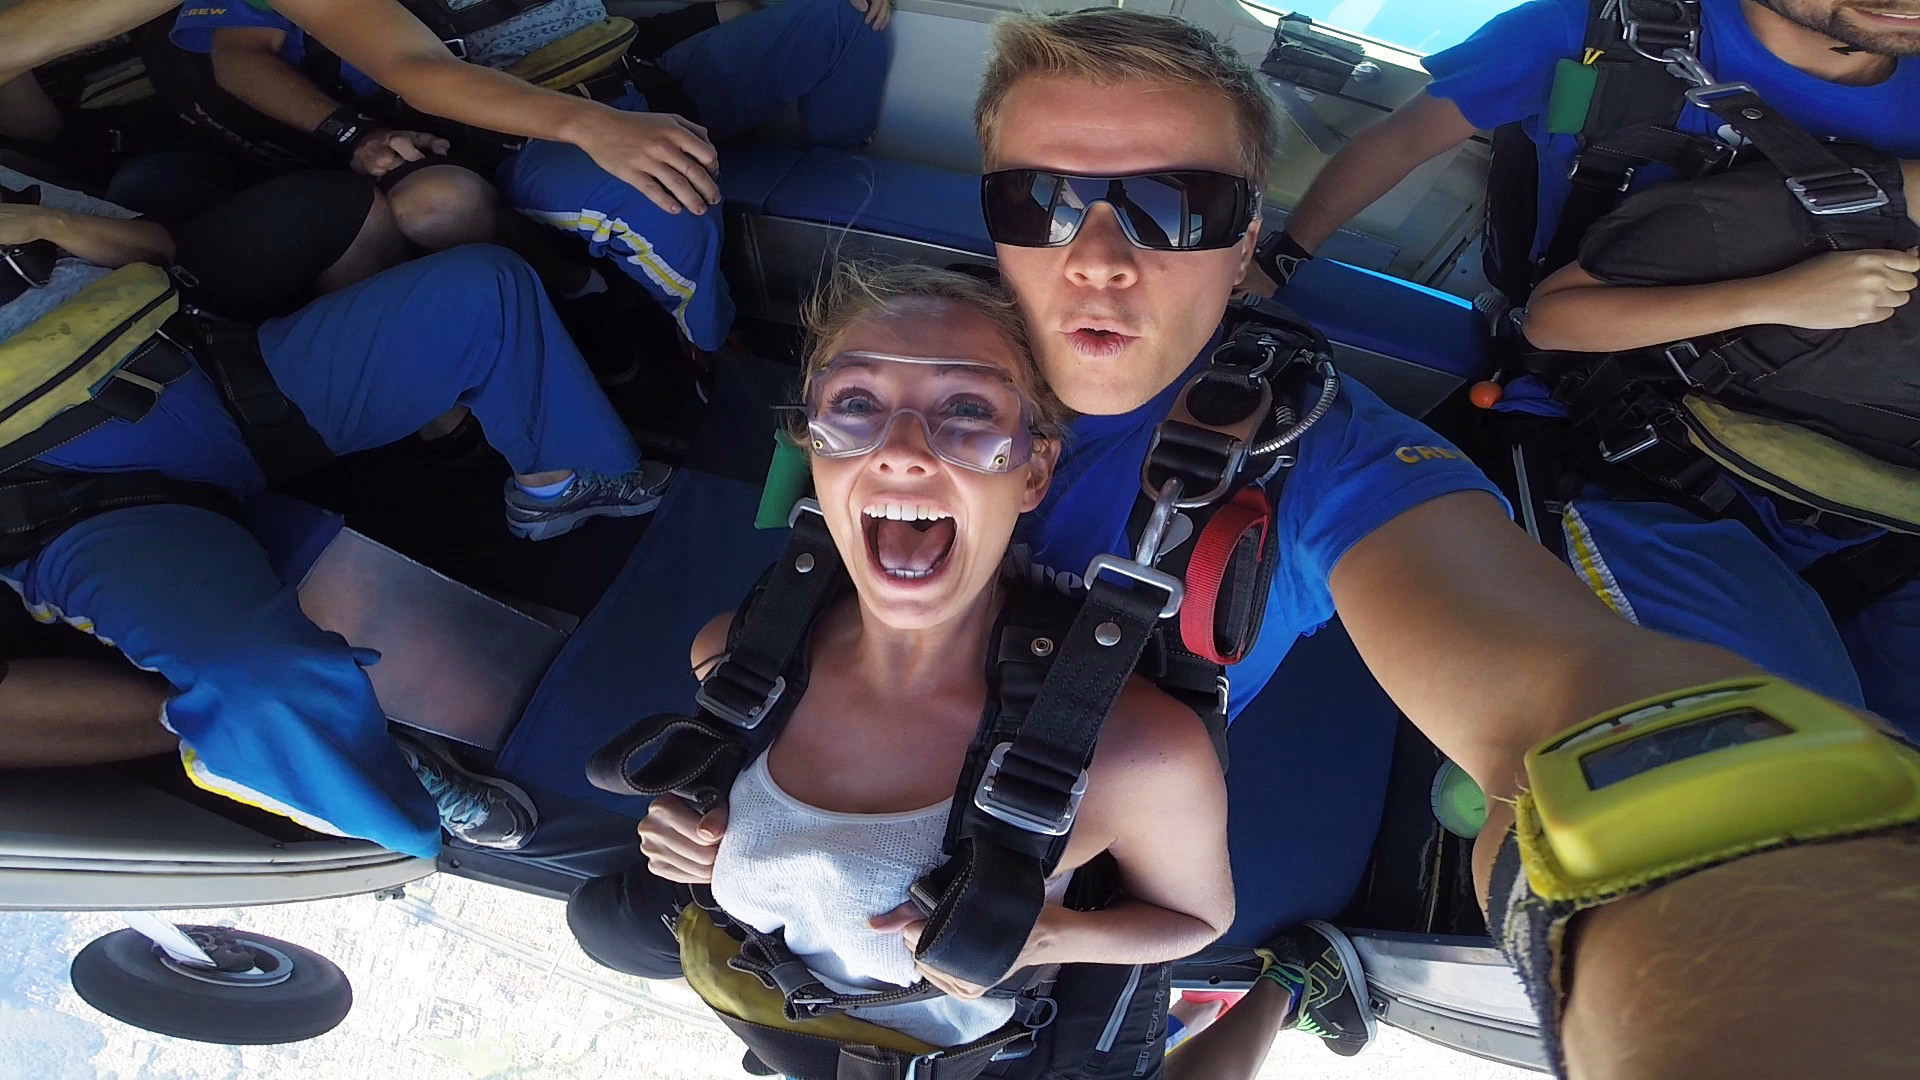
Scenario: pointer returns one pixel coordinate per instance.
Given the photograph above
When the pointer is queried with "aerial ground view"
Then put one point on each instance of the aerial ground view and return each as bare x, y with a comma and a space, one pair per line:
456, 980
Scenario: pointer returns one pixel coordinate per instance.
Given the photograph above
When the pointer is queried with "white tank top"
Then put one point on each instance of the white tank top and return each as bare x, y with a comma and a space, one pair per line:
818, 876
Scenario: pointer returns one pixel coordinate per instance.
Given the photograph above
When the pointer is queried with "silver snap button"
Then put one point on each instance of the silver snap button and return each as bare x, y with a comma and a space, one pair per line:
1751, 114
1042, 646
1107, 633
804, 563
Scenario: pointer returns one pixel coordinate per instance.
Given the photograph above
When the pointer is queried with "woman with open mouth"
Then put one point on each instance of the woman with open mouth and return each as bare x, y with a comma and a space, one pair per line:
930, 433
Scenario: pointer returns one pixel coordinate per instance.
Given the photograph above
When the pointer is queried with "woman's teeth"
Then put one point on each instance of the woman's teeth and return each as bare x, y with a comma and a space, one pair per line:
904, 512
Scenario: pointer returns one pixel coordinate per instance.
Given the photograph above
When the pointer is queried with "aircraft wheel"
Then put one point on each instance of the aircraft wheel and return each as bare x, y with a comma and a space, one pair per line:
263, 991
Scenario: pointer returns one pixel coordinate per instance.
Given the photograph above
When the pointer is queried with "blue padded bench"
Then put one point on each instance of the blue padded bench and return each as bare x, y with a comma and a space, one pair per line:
1411, 344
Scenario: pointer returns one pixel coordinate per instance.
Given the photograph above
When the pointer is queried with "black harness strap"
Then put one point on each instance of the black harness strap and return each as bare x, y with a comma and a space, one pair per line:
38, 502
1816, 176
743, 702
1025, 774
1852, 578
284, 444
1630, 120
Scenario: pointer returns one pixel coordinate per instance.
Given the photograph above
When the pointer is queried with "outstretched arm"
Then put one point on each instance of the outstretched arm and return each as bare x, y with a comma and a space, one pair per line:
1373, 162
1794, 962
666, 158
1489, 644
1574, 311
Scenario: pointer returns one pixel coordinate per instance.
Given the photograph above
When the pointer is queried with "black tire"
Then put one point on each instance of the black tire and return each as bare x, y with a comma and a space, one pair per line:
122, 975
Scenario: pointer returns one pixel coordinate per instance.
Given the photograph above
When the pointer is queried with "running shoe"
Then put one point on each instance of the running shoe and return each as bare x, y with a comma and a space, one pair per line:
591, 495
484, 811
1319, 967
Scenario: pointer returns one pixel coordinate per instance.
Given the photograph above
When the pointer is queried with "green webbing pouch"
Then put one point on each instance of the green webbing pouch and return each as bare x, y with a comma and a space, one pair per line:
788, 477
1572, 97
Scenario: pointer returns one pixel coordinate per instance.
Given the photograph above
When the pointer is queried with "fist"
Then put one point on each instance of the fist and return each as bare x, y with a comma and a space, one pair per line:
680, 842
1842, 289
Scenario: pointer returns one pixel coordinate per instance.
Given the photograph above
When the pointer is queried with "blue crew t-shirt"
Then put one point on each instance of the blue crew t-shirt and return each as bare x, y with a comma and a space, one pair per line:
1504, 74
1361, 466
193, 31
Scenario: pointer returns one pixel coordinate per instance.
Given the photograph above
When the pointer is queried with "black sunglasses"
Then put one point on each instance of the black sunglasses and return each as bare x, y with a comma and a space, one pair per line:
1184, 210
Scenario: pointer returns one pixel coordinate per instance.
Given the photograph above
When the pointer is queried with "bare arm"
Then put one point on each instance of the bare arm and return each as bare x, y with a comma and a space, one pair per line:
26, 112
1763, 967
1574, 311
108, 242
247, 64
36, 31
1373, 162
1489, 644
666, 158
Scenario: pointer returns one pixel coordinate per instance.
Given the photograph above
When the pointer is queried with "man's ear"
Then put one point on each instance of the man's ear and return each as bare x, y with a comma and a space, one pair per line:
1245, 248
1046, 454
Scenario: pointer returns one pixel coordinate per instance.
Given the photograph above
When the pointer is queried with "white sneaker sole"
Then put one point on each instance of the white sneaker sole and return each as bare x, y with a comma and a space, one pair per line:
548, 528
1350, 959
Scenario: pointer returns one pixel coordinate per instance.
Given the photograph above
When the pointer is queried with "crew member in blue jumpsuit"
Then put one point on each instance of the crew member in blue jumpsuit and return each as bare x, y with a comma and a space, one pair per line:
1716, 582
270, 709
817, 54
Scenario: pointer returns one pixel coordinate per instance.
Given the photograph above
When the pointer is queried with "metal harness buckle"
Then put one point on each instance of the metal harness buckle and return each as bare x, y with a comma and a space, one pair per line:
748, 707
988, 799
1645, 439
1145, 575
1654, 40
1826, 194
1681, 354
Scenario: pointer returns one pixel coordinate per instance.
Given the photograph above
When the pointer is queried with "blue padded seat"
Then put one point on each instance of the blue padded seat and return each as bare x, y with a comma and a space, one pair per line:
1365, 309
914, 202
749, 173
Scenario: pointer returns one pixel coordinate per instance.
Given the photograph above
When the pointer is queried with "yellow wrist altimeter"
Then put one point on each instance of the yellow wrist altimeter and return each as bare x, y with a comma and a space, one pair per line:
1662, 788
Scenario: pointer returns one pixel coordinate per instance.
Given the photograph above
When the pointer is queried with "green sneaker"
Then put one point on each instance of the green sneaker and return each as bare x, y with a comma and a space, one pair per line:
1317, 965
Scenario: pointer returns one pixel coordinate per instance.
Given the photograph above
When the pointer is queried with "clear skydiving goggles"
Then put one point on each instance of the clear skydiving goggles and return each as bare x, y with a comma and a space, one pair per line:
972, 414
1182, 210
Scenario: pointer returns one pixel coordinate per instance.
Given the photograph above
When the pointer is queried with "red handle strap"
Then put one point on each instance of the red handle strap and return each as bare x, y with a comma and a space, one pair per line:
1207, 569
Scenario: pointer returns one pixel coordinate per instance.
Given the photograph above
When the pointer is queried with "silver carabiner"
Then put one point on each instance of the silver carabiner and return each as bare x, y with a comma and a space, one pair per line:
1148, 551
1682, 64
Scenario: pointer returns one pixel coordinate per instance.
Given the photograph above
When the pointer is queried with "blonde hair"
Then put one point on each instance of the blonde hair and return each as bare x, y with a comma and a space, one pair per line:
858, 291
1108, 46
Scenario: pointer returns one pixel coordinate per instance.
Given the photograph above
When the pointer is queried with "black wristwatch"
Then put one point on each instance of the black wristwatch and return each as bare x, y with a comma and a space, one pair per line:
343, 127
1280, 256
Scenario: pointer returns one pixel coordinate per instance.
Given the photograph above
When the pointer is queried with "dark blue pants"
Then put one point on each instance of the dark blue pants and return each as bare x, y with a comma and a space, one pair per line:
270, 709
818, 54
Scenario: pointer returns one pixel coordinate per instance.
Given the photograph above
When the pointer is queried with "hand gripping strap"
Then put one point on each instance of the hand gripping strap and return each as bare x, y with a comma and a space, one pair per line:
1230, 563
985, 912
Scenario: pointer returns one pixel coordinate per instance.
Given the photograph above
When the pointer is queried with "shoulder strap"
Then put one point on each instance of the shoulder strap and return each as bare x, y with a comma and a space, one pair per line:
1014, 809
742, 702
1631, 115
